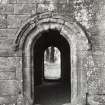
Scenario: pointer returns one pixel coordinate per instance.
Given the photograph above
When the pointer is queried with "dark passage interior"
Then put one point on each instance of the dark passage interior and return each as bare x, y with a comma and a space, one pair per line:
47, 91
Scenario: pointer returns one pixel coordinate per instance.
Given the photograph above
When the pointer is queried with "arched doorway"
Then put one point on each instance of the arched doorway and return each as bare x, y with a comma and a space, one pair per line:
52, 63
69, 30
52, 38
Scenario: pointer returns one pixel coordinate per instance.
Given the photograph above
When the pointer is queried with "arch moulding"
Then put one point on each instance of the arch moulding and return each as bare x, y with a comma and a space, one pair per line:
30, 32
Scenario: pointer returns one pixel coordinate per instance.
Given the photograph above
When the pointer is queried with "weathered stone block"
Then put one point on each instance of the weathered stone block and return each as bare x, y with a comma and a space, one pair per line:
96, 99
6, 43
7, 100
99, 60
8, 63
46, 7
52, 1
62, 8
25, 1
7, 1
8, 53
7, 75
8, 87
8, 33
8, 69
25, 8
65, 8
12, 1
15, 21
3, 21
98, 41
6, 9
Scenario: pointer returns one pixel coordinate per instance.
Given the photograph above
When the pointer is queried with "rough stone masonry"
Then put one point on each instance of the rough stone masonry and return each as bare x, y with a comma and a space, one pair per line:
90, 17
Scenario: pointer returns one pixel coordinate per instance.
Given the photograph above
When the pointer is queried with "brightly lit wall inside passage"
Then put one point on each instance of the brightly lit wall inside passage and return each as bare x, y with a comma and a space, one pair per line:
52, 63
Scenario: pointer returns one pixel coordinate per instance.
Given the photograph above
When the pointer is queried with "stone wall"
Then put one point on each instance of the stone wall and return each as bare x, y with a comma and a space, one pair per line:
89, 14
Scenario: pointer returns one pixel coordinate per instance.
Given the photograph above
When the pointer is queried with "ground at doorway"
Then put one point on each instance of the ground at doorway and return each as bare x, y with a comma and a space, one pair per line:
55, 93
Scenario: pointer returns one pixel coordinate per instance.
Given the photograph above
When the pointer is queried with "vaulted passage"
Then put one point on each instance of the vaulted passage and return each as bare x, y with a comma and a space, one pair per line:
48, 91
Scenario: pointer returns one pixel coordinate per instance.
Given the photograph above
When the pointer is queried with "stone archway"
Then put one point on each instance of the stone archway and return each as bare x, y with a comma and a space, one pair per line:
74, 35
